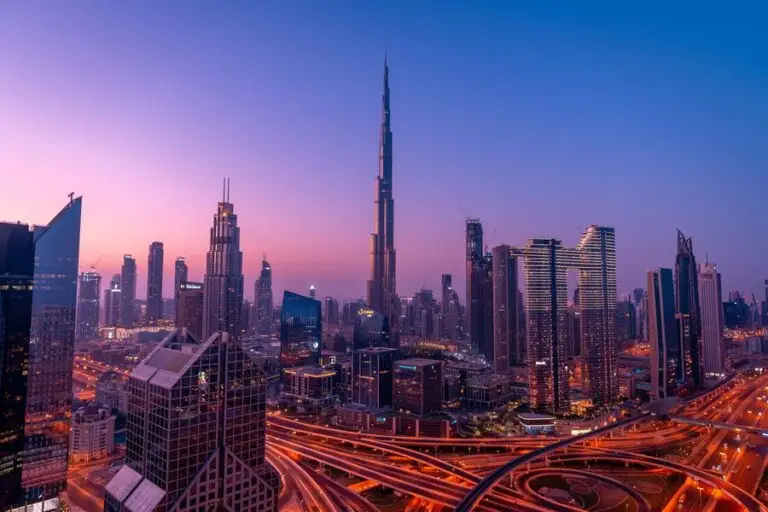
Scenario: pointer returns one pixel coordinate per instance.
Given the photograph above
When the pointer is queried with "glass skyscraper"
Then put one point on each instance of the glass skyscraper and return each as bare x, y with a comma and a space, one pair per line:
128, 291
88, 303
506, 341
711, 296
688, 311
155, 282
300, 330
666, 356
263, 302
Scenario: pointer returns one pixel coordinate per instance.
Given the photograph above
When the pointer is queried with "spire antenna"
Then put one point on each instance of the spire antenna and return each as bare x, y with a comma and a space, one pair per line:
227, 189
224, 191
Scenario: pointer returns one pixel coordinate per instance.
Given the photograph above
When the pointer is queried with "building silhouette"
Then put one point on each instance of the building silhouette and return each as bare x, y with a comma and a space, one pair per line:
180, 275
381, 287
190, 308
418, 386
711, 297
372, 376
300, 330
155, 282
263, 300
223, 282
196, 431
479, 307
506, 340
688, 311
128, 291
666, 354
88, 305
112, 302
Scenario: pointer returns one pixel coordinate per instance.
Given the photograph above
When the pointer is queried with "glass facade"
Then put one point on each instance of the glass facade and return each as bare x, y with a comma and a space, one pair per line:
128, 291
300, 330
688, 311
418, 386
666, 358
88, 305
155, 282
372, 376
51, 353
371, 329
711, 319
506, 342
16, 271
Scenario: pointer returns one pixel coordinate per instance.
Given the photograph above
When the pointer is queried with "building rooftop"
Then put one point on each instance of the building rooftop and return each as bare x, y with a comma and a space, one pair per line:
165, 365
418, 362
375, 350
310, 371
529, 416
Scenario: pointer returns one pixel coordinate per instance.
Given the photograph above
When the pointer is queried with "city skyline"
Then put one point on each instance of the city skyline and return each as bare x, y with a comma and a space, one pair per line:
524, 131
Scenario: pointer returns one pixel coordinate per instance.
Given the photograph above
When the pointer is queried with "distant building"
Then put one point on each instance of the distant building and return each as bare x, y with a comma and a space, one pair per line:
488, 392
190, 308
688, 311
710, 293
92, 435
112, 302
180, 275
479, 306
155, 282
183, 451
263, 301
331, 311
371, 329
506, 340
111, 391
666, 354
372, 376
309, 385
418, 386
223, 282
128, 292
626, 323
88, 305
300, 331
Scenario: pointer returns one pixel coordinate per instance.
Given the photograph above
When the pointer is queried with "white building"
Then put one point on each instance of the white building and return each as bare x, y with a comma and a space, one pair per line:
92, 434
711, 300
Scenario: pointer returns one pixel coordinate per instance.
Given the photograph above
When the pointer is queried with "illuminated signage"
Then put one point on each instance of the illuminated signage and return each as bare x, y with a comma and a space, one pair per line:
365, 312
541, 363
191, 286
406, 367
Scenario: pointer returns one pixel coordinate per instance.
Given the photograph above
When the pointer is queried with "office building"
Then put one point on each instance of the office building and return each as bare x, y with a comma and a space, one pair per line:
626, 321
479, 305
155, 282
112, 302
666, 354
128, 311
597, 302
191, 308
446, 287
371, 329
309, 386
331, 311
506, 340
180, 275
573, 321
88, 305
381, 289
372, 376
263, 299
223, 283
17, 257
196, 431
418, 386
711, 297
92, 436
688, 311
111, 391
546, 301
300, 330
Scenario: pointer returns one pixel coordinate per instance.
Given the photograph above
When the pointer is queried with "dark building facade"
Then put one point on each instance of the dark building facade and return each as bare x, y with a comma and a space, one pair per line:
372, 376
479, 307
180, 275
17, 256
128, 291
371, 329
667, 366
190, 308
626, 323
263, 301
507, 350
196, 431
688, 311
155, 282
300, 330
88, 305
418, 386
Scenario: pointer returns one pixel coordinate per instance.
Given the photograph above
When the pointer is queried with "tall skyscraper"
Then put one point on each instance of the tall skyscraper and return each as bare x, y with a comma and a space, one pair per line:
666, 355
128, 291
506, 340
382, 292
479, 307
711, 296
300, 330
88, 304
446, 287
190, 308
180, 275
112, 302
597, 302
223, 283
688, 310
546, 301
196, 431
17, 257
418, 386
372, 372
51, 354
155, 282
331, 311
263, 299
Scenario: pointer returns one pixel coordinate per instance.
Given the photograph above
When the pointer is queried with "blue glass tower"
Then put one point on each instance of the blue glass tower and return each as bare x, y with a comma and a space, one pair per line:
300, 330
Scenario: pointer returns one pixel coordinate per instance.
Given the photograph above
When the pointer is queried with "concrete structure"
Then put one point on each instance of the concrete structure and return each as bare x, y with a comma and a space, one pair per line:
711, 297
202, 442
155, 282
309, 385
92, 434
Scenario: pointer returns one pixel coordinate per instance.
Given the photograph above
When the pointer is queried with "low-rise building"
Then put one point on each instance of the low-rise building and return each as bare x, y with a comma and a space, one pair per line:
309, 385
92, 434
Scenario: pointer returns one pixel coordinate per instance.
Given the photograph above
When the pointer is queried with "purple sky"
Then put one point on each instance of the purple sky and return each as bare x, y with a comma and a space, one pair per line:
538, 120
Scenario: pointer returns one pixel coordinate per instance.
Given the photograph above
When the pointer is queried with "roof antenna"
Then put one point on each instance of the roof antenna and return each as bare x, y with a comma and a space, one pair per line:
227, 189
223, 191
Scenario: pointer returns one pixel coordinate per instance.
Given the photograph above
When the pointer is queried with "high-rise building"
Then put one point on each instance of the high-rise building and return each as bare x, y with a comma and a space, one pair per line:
196, 431
639, 301
381, 289
688, 310
312, 292
112, 302
479, 307
711, 296
372, 372
546, 301
666, 355
626, 321
597, 302
190, 308
51, 352
155, 282
17, 257
506, 340
88, 304
128, 291
418, 386
180, 275
446, 287
371, 329
263, 299
300, 330
223, 283
331, 311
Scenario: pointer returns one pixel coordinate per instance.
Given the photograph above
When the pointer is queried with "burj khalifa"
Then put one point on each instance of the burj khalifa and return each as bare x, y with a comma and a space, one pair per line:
382, 294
